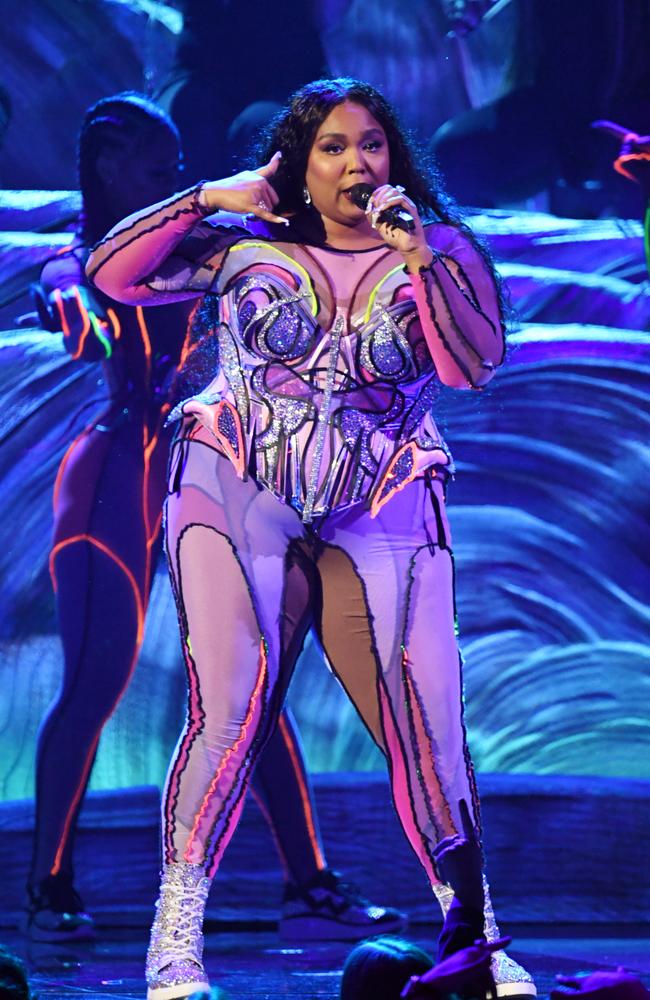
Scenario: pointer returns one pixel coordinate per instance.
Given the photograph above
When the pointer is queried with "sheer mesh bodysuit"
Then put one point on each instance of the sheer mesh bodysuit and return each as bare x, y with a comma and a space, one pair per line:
307, 491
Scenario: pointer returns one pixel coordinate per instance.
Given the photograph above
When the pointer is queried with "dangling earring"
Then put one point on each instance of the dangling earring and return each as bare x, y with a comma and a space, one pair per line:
306, 195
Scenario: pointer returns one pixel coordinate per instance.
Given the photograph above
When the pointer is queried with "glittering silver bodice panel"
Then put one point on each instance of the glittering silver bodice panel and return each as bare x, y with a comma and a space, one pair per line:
323, 394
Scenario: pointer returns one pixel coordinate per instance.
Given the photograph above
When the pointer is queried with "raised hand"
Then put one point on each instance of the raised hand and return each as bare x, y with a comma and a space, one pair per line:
246, 193
459, 860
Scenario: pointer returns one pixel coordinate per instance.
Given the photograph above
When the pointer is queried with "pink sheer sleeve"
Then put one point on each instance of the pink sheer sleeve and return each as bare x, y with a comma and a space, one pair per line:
162, 254
458, 305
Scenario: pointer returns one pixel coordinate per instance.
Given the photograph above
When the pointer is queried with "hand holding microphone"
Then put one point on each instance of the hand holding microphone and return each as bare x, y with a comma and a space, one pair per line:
396, 219
398, 216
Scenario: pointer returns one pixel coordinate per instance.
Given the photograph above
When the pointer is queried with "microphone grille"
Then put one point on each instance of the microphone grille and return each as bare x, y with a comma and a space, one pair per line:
360, 193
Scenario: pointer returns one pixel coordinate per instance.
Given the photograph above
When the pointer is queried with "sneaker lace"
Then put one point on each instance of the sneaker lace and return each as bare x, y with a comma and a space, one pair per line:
348, 891
186, 917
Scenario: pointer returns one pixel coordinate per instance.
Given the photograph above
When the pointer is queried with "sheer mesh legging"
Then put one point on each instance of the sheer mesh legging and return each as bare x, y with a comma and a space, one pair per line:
250, 579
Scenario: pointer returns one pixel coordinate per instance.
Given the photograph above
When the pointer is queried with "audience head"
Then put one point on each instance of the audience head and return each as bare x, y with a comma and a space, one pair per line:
14, 984
380, 968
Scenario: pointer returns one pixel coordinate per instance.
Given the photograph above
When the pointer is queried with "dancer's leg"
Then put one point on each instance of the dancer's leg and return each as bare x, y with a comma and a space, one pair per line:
282, 789
99, 569
108, 499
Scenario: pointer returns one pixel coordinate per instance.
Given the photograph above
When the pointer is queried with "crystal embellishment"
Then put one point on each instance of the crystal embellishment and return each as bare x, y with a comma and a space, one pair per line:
175, 957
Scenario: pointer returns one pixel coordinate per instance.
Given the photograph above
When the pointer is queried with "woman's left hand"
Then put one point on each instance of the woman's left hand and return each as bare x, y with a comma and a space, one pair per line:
412, 245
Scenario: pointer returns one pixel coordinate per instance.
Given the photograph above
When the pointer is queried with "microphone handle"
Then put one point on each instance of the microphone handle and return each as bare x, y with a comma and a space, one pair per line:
397, 217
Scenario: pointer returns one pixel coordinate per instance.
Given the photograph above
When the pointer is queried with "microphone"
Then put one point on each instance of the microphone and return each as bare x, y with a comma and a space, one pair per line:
398, 217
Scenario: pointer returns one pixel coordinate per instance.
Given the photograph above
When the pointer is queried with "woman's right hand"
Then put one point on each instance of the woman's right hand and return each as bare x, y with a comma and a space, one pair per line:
246, 193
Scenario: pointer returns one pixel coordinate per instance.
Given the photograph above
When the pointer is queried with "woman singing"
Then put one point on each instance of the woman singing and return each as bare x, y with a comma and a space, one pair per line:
307, 476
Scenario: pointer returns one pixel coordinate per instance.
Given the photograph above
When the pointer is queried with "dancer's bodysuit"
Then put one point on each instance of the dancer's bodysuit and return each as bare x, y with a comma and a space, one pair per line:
108, 508
306, 490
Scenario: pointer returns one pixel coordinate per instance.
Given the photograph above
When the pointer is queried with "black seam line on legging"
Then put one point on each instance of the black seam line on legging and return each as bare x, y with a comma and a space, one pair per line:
193, 191
426, 498
252, 754
379, 683
185, 631
69, 688
417, 757
213, 850
171, 797
318, 627
435, 503
405, 626
409, 785
443, 340
469, 346
169, 826
268, 721
471, 774
469, 766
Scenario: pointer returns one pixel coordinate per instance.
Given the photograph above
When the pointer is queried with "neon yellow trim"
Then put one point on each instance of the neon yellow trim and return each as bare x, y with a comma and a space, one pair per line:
294, 264
101, 337
375, 291
646, 236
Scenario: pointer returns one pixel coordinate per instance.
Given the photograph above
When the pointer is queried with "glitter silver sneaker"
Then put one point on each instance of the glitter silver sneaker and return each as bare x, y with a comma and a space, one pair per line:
175, 957
511, 978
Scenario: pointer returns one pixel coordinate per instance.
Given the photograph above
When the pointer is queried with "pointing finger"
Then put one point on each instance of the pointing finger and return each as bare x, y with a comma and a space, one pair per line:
466, 821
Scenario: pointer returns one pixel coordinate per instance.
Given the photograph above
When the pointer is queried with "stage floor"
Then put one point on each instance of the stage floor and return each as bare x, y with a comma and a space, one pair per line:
253, 964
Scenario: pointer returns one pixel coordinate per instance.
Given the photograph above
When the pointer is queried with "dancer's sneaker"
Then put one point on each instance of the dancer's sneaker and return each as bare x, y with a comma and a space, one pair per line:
175, 956
55, 912
511, 979
330, 909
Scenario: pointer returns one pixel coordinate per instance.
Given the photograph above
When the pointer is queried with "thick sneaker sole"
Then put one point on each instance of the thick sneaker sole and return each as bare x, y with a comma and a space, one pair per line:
297, 930
178, 991
515, 990
85, 933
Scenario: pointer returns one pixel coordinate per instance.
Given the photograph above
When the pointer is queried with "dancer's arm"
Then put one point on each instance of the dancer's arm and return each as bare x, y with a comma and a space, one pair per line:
66, 304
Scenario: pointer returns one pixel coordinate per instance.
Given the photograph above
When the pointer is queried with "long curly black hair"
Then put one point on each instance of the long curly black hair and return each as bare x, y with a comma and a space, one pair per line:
293, 130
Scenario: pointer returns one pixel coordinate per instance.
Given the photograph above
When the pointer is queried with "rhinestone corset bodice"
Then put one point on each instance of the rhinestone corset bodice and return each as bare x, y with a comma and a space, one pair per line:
325, 399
